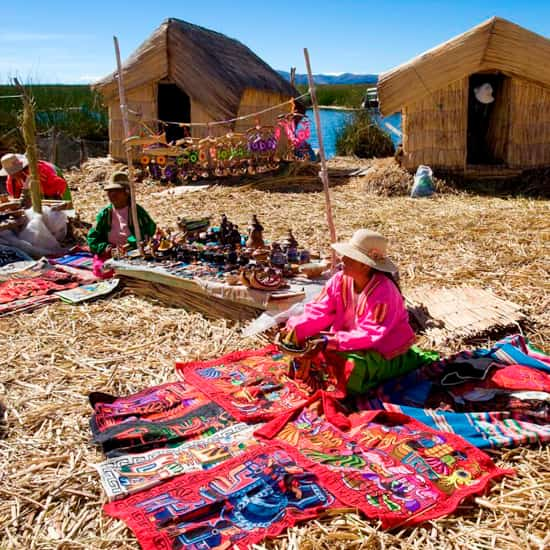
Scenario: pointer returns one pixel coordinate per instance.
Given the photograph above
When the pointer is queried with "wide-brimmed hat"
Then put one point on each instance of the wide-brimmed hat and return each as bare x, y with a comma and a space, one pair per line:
13, 163
484, 93
119, 180
367, 247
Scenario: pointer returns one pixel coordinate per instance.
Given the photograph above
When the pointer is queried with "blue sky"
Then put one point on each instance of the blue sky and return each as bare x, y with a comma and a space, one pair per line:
71, 42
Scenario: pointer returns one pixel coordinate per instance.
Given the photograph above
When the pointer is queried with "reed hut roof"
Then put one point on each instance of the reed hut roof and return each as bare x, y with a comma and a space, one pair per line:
494, 45
210, 67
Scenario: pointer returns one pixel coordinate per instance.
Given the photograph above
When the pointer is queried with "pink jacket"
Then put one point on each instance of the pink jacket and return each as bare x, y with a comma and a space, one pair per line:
375, 319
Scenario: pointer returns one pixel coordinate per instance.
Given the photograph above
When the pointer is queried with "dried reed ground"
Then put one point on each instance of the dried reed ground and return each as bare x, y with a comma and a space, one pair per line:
51, 359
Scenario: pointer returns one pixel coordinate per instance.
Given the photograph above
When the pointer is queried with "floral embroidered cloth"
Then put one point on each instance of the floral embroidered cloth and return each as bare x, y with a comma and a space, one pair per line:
388, 465
253, 386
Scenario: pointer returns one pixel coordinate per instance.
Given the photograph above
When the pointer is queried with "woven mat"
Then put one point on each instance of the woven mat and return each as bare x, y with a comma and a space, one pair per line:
445, 314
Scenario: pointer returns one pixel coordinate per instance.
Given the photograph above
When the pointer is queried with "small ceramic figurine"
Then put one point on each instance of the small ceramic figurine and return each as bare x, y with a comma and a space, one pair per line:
290, 241
224, 229
255, 234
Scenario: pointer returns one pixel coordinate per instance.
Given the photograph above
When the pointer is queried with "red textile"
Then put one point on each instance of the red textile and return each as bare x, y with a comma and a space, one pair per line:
388, 465
234, 505
252, 385
51, 185
48, 282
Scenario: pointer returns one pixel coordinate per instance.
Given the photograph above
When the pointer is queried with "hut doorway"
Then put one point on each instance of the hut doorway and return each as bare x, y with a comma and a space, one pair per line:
488, 119
174, 106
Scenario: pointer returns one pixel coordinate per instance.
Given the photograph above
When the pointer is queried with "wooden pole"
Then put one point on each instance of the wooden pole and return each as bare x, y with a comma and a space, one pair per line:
324, 172
126, 126
29, 135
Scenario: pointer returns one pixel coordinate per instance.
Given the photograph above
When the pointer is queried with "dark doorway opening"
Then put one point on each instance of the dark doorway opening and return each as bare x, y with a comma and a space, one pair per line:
174, 106
488, 118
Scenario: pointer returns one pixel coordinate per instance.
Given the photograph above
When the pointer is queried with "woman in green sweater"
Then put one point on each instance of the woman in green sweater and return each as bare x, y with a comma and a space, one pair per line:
114, 227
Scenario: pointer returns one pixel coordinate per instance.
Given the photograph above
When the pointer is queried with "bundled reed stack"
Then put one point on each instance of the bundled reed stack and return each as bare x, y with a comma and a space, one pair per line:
435, 93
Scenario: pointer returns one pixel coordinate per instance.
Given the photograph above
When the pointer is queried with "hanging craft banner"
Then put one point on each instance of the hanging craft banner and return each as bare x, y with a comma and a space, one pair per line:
256, 151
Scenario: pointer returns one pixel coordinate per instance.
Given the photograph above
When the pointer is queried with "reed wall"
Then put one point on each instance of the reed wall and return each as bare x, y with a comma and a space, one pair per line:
529, 137
434, 128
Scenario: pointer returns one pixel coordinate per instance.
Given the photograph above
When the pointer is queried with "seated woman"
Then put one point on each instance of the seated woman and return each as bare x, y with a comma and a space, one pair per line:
16, 167
114, 226
359, 320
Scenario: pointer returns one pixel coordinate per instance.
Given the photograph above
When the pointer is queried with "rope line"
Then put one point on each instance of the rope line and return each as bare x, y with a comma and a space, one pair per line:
224, 122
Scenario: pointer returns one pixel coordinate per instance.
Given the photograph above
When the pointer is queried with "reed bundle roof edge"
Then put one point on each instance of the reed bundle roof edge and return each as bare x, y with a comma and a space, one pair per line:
494, 45
212, 68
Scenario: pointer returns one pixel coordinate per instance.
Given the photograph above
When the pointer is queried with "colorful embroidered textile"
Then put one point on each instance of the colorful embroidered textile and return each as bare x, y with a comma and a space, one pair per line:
82, 260
154, 418
25, 305
387, 465
129, 474
234, 505
48, 282
492, 397
253, 386
376, 319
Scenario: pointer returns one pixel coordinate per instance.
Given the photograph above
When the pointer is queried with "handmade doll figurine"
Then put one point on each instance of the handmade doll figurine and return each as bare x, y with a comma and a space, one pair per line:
255, 234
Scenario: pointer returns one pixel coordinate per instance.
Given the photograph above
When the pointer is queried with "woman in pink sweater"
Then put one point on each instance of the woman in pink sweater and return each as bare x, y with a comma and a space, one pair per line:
359, 320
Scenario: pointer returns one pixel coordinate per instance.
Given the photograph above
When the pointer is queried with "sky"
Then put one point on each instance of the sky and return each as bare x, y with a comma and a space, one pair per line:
71, 42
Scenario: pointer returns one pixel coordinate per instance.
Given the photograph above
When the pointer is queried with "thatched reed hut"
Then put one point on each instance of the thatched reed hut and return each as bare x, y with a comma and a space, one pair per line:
186, 73
453, 121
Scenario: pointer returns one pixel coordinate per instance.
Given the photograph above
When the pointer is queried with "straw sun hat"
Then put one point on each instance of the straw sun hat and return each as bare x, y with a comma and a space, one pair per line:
119, 180
367, 247
13, 163
484, 93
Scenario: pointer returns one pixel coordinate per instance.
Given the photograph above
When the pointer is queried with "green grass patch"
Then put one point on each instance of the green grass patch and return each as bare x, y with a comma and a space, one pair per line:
339, 95
73, 109
363, 138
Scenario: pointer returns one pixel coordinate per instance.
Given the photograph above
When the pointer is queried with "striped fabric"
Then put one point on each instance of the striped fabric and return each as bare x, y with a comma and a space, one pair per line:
509, 418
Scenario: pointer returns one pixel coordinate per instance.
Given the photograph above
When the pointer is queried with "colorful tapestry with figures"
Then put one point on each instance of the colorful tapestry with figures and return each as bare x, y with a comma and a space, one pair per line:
388, 465
128, 474
158, 417
236, 504
253, 386
258, 150
497, 397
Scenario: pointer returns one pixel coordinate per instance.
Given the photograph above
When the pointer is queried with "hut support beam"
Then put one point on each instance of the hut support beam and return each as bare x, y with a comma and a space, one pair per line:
128, 147
324, 171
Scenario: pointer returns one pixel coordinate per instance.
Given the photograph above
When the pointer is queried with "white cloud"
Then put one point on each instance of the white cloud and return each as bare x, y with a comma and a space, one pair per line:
89, 78
29, 37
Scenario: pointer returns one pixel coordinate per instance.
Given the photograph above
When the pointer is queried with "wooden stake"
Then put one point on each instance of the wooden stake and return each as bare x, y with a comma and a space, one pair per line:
126, 126
324, 172
29, 135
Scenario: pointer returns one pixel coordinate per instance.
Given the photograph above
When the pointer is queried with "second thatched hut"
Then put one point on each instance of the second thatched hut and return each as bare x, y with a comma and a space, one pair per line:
186, 73
477, 103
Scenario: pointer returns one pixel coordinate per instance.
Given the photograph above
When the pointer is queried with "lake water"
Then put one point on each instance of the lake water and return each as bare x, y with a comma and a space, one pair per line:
333, 120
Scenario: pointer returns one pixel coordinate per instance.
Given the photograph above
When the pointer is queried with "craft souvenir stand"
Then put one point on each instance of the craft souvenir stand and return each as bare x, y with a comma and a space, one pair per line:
217, 272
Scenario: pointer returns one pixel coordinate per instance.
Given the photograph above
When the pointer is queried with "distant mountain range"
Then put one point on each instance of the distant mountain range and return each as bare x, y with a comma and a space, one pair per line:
344, 78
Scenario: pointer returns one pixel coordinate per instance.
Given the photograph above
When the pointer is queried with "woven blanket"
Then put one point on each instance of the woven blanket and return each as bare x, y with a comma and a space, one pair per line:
388, 465
253, 386
492, 397
236, 504
82, 260
155, 418
129, 474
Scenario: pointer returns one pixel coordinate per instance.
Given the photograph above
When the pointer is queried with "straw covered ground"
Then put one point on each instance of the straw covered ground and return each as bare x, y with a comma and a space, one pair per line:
51, 359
